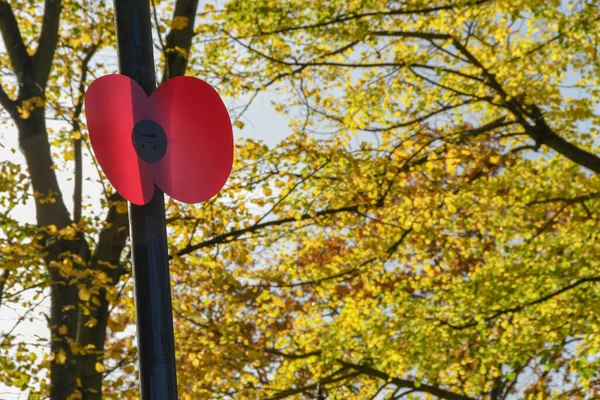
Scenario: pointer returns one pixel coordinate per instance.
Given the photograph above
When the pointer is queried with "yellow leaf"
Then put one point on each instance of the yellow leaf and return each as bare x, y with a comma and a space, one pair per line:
84, 295
63, 330
239, 124
102, 277
61, 357
99, 367
451, 207
76, 395
180, 22
122, 207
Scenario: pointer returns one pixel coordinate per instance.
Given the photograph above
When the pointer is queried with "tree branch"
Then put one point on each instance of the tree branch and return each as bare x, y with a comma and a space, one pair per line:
179, 39
404, 383
232, 235
3, 280
570, 200
521, 307
543, 134
47, 42
9, 105
313, 62
327, 380
9, 28
540, 131
490, 126
78, 184
291, 356
351, 17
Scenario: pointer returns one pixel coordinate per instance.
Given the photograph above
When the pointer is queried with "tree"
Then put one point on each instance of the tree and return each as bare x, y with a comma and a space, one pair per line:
466, 268
450, 252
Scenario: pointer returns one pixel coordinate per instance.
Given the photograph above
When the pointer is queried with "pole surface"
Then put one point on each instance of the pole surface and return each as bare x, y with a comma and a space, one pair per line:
156, 345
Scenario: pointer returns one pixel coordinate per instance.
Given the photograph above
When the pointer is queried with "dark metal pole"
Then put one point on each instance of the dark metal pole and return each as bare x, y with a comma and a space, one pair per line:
156, 347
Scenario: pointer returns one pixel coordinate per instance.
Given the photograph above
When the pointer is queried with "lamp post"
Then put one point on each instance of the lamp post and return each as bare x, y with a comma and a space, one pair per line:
154, 315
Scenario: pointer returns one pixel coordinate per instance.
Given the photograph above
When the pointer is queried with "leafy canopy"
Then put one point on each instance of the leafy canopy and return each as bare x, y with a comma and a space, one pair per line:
428, 228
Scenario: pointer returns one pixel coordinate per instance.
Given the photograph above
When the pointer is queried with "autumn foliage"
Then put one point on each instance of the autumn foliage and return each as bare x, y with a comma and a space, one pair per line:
428, 228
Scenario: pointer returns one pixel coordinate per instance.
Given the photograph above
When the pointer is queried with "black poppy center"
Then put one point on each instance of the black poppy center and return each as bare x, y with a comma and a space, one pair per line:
149, 140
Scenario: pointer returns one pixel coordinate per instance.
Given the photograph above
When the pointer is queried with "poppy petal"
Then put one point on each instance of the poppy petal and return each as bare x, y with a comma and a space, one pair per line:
113, 104
199, 153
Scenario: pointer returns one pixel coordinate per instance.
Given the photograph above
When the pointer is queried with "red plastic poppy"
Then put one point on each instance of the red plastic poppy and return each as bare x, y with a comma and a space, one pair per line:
179, 139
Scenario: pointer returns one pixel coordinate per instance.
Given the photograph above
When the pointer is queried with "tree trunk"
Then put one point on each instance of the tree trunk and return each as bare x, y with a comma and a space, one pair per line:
108, 252
52, 217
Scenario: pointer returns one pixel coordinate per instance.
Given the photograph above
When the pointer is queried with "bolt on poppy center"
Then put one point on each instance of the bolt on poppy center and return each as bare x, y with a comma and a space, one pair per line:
149, 140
